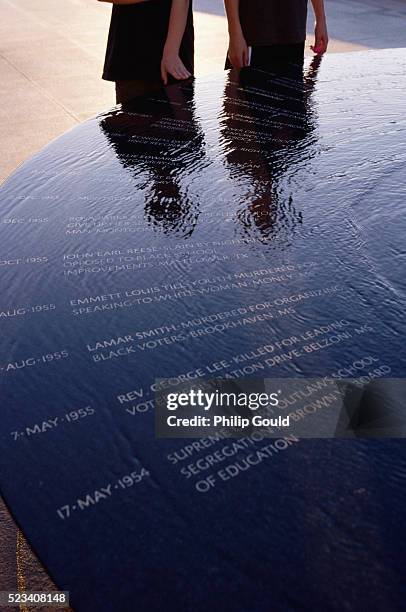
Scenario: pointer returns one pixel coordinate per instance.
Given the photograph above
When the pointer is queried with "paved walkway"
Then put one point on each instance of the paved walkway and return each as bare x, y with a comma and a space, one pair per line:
51, 54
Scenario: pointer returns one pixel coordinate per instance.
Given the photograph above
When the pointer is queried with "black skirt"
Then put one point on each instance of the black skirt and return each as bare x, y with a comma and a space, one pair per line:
136, 41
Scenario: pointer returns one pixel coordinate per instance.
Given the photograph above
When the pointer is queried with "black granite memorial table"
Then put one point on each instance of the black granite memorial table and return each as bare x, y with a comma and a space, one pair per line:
245, 225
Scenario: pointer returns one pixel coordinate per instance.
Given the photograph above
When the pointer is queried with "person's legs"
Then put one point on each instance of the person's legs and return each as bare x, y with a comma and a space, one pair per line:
127, 90
262, 57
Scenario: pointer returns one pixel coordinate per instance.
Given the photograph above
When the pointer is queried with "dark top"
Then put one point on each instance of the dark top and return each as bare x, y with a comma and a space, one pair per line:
136, 40
273, 22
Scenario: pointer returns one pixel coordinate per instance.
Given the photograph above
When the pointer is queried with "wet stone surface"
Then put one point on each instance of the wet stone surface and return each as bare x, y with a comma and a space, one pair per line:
237, 226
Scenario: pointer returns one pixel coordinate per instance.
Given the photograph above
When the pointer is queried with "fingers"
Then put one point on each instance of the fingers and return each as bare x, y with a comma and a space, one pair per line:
232, 60
164, 74
239, 56
183, 72
174, 68
237, 61
320, 45
180, 73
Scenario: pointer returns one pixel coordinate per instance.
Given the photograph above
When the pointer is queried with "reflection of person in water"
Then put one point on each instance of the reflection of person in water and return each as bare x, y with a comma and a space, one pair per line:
267, 131
159, 137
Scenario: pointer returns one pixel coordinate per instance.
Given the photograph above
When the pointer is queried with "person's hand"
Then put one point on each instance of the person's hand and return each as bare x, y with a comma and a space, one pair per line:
238, 51
171, 64
320, 38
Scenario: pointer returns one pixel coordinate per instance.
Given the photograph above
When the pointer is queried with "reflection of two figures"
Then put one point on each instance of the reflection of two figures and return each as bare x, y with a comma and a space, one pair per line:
160, 141
267, 133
